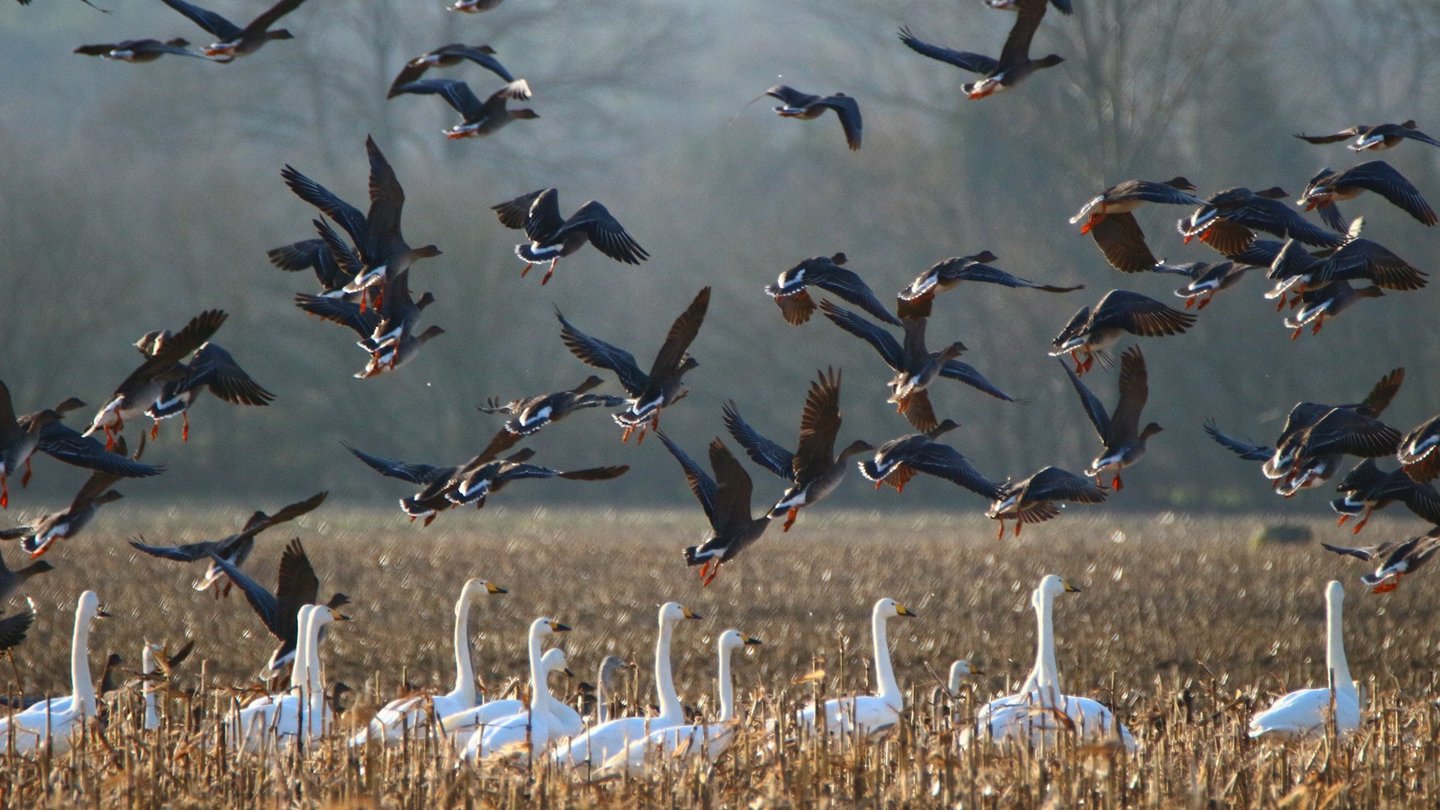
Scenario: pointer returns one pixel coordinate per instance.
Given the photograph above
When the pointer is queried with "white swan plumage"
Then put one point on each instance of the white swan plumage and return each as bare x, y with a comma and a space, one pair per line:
867, 714
707, 740
1308, 711
59, 721
407, 714
1034, 713
605, 740
460, 726
532, 731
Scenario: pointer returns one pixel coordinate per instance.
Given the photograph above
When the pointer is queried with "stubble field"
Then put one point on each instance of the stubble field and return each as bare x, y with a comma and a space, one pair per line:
1182, 627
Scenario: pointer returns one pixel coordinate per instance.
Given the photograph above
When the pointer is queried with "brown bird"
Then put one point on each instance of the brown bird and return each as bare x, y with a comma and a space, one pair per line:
795, 104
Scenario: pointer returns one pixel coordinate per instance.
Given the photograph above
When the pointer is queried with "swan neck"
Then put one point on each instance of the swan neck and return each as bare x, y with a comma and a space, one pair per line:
885, 674
464, 668
670, 708
1046, 674
314, 677
602, 698
727, 688
147, 669
80, 683
297, 664
539, 689
1337, 668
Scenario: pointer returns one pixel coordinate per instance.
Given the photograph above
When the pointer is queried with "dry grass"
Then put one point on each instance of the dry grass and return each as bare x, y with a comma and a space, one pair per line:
1181, 627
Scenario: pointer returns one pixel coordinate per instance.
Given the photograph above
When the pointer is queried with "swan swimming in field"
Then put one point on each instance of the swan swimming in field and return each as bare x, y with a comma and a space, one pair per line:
1041, 708
688, 741
410, 713
531, 731
867, 714
1308, 711
597, 745
59, 720
461, 725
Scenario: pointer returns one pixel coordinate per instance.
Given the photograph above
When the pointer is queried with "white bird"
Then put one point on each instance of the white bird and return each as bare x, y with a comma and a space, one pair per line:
248, 723
529, 732
309, 717
58, 721
959, 671
147, 680
867, 714
461, 725
688, 741
1041, 708
1308, 711
597, 745
407, 714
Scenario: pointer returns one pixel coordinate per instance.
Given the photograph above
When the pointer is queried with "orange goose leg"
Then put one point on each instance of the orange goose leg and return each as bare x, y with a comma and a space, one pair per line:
25, 479
1000, 535
1319, 322
710, 577
1296, 334
1189, 302
790, 518
550, 272
1280, 304
1206, 301
1364, 519
1117, 484
1388, 585
185, 426
1341, 521
4, 492
528, 265
155, 430
625, 437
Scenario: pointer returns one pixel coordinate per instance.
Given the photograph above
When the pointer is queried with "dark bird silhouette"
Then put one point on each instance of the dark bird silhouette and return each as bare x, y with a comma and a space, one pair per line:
1091, 331
726, 501
533, 413
554, 237
1110, 221
813, 470
1123, 442
1257, 210
479, 118
1397, 559
235, 548
917, 298
897, 461
234, 41
1014, 64
826, 273
795, 104
450, 56
1328, 185
663, 385
1374, 137
1034, 500
139, 50
1367, 488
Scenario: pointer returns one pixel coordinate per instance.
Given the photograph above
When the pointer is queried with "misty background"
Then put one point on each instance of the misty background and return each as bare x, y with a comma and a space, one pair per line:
134, 196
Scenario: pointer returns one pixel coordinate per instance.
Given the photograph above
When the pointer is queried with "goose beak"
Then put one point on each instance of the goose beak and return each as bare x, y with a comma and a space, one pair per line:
341, 617
493, 588
102, 613
752, 641
901, 610
1068, 587
690, 614
557, 627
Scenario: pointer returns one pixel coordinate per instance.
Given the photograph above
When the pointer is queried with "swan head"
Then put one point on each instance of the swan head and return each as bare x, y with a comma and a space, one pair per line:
734, 640
672, 612
474, 587
610, 667
322, 615
959, 671
554, 660
887, 608
1053, 586
1334, 594
545, 626
89, 606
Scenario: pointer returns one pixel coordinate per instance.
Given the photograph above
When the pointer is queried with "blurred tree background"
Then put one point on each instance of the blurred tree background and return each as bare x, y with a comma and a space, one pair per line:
133, 196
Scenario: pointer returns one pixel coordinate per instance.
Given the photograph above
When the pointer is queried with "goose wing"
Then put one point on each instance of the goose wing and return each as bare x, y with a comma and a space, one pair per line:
605, 233
761, 450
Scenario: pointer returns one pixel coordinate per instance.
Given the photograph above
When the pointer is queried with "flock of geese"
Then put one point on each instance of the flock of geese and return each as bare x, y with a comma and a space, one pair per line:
363, 262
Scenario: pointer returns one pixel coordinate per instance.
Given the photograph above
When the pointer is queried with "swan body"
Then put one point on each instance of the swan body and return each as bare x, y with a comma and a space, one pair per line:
410, 713
1041, 710
1308, 711
707, 740
599, 744
147, 670
58, 721
867, 715
530, 731
460, 726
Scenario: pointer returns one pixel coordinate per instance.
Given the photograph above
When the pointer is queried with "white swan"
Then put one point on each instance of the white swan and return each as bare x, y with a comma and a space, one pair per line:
410, 713
460, 726
148, 680
867, 714
1035, 712
59, 720
247, 723
529, 732
607, 739
1308, 711
309, 716
959, 671
703, 740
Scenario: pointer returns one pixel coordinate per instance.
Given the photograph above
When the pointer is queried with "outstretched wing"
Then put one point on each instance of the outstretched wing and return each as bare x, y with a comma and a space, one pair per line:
848, 285
1093, 407
514, 213
761, 450
344, 214
966, 373
1245, 450
605, 233
884, 342
973, 62
414, 473
701, 484
67, 445
598, 353
848, 111
214, 368
455, 92
682, 333
223, 29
